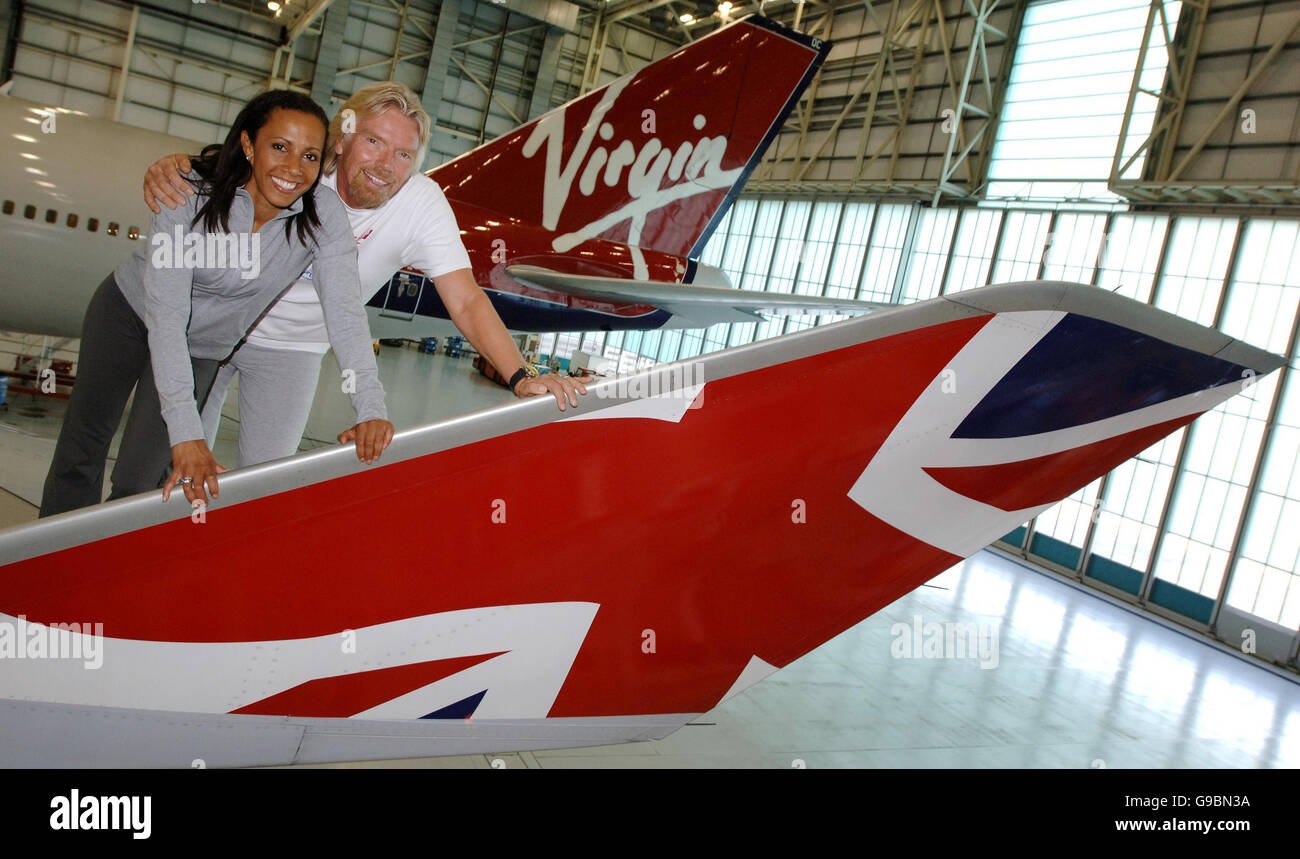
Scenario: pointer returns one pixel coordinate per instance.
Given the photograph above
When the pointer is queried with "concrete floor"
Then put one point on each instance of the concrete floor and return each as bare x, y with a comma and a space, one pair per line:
1068, 680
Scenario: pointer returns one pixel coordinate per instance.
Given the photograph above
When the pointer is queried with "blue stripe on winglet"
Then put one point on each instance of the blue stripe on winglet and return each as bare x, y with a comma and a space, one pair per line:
1084, 370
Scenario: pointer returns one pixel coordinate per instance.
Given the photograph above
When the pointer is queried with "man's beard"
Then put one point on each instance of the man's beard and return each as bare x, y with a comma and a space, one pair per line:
366, 196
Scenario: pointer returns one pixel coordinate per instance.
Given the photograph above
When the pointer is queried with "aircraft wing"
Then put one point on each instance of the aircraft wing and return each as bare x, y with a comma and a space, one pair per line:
701, 306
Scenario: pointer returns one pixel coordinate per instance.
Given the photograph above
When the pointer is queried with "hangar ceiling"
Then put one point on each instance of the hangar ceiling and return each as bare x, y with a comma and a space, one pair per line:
1228, 127
906, 106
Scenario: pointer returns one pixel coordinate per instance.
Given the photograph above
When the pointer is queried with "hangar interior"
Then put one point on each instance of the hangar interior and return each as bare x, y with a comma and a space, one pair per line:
1147, 148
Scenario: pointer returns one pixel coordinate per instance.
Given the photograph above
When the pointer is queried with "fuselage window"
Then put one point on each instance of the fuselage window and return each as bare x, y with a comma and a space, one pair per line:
29, 212
51, 216
112, 228
133, 233
72, 220
92, 225
9, 207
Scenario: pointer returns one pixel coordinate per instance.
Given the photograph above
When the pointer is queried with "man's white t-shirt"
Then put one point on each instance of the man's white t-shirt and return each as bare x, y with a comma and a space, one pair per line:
415, 227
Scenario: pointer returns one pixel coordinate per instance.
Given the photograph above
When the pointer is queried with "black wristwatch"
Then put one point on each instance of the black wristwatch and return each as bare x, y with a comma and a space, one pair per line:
527, 371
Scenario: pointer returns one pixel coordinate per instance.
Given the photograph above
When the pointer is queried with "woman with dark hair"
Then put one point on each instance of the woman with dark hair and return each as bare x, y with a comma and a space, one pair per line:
168, 315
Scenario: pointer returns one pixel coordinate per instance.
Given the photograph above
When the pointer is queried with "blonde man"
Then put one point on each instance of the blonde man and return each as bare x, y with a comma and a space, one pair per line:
400, 218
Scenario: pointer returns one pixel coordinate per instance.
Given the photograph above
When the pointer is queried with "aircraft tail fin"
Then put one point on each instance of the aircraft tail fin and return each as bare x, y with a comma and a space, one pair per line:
654, 158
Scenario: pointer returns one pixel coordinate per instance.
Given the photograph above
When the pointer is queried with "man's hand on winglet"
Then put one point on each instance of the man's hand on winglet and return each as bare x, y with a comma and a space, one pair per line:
563, 388
163, 182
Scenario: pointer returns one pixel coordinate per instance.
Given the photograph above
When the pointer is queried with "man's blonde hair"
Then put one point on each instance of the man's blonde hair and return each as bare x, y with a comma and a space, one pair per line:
372, 100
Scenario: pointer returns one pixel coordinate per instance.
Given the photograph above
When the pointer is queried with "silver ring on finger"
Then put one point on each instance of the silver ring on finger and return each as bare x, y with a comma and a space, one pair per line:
185, 481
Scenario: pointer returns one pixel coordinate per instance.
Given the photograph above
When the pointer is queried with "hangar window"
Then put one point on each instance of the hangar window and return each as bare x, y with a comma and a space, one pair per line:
787, 254
846, 262
712, 253
9, 207
1074, 246
816, 257
668, 350
741, 232
789, 250
764, 258
1066, 98
922, 273
1025, 237
763, 246
1212, 499
72, 220
885, 255
972, 251
92, 225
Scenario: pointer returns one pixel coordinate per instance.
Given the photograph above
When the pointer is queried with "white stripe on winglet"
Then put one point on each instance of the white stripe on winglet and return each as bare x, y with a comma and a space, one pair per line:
539, 641
894, 486
670, 407
755, 671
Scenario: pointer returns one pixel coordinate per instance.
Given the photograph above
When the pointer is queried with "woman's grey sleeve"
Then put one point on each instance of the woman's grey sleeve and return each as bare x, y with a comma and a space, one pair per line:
168, 293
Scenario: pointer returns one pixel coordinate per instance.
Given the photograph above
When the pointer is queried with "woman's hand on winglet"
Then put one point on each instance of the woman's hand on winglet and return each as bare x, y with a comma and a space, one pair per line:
372, 437
193, 460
